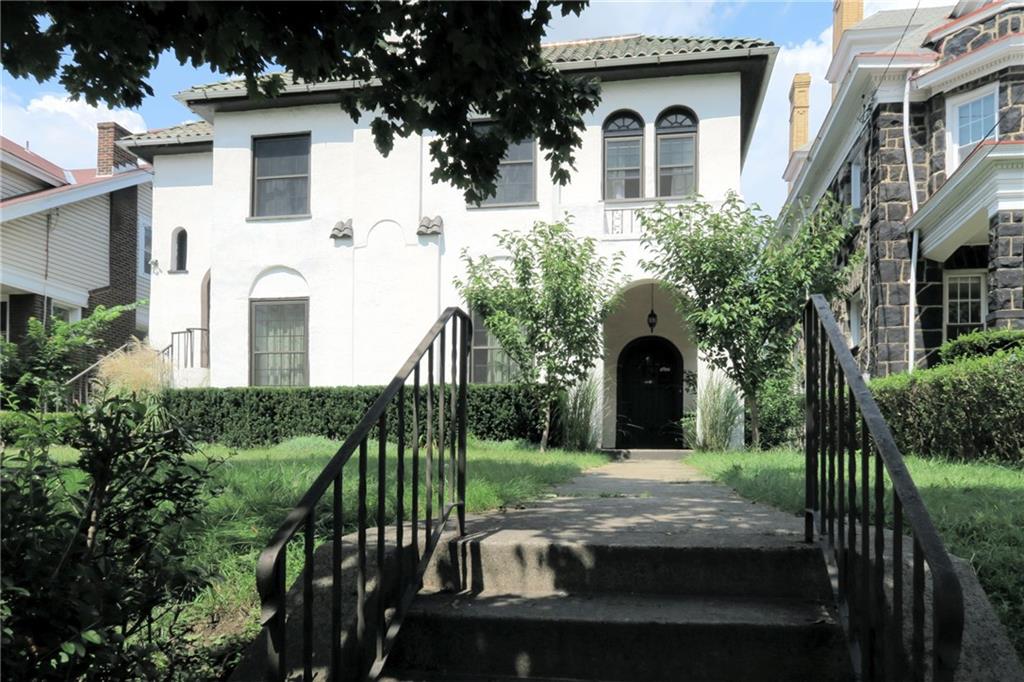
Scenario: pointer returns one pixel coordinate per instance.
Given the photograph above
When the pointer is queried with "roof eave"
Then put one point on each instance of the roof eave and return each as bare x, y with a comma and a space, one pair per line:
19, 207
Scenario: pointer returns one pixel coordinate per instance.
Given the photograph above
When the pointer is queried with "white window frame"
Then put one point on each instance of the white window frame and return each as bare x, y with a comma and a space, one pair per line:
953, 105
982, 274
74, 311
145, 264
856, 195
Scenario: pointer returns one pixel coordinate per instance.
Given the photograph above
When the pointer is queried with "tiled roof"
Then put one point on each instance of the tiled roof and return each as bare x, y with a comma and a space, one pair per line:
590, 49
194, 131
637, 45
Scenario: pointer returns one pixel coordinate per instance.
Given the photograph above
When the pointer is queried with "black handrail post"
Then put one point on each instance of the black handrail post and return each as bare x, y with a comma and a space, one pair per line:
467, 331
810, 423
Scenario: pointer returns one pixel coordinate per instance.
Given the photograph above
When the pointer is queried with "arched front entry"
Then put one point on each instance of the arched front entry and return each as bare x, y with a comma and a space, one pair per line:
649, 400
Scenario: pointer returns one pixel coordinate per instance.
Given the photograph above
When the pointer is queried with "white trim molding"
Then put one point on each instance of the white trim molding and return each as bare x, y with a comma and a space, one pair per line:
991, 179
994, 56
43, 201
983, 11
20, 279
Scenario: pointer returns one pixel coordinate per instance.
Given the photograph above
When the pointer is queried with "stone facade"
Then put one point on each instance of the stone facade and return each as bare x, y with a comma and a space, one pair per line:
1006, 270
976, 36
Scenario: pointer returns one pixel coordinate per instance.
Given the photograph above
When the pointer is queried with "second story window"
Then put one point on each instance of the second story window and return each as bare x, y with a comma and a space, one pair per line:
677, 153
623, 156
516, 176
280, 176
970, 120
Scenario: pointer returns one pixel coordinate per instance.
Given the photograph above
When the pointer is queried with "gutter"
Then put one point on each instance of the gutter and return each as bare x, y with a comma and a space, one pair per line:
911, 179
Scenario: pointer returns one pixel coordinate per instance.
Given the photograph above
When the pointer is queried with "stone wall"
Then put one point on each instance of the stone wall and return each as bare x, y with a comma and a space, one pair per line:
972, 37
1006, 270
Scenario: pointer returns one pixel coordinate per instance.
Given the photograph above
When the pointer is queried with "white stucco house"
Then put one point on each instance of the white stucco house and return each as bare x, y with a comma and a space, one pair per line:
288, 251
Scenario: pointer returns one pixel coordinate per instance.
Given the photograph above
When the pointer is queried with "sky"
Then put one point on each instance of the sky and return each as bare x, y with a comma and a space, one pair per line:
65, 131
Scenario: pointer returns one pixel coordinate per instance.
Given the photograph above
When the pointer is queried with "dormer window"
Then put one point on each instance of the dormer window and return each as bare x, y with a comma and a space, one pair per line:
677, 153
623, 156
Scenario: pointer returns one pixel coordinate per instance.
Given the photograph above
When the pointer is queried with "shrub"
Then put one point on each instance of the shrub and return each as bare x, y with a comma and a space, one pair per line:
718, 409
93, 560
134, 369
244, 417
13, 422
980, 343
968, 409
578, 408
782, 412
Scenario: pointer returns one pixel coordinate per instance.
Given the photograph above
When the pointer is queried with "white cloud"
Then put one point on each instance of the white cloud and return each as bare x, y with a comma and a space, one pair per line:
60, 129
769, 150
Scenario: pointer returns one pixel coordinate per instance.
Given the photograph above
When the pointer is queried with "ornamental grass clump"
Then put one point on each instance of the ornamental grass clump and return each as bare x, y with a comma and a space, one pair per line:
136, 368
718, 411
580, 416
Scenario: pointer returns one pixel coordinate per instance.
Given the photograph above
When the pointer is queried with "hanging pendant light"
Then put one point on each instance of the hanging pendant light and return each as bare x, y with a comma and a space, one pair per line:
652, 317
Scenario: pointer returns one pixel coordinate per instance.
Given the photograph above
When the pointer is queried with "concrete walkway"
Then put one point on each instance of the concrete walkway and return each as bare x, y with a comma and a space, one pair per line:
651, 498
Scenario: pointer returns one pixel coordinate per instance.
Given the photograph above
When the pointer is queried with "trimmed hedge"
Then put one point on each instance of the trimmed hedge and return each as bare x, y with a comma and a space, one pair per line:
244, 417
980, 343
968, 409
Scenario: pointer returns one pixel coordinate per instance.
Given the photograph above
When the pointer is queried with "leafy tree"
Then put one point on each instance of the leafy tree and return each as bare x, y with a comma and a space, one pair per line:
546, 306
94, 561
428, 66
52, 353
742, 282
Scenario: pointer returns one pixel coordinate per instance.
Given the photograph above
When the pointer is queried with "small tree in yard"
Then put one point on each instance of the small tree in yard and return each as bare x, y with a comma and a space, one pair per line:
742, 283
546, 305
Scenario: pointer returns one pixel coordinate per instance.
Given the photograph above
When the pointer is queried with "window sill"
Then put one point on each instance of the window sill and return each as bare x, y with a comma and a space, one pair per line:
525, 204
272, 218
177, 272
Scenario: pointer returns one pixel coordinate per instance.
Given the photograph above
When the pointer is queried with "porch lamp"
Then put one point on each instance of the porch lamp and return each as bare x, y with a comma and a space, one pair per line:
652, 317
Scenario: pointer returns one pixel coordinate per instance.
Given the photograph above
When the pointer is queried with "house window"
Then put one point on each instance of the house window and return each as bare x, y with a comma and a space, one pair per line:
491, 364
623, 156
966, 302
516, 181
280, 178
856, 199
179, 250
853, 306
677, 153
147, 249
970, 119
64, 313
279, 342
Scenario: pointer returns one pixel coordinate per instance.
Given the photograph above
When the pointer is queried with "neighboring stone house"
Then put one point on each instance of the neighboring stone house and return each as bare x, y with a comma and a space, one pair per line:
74, 239
958, 76
288, 251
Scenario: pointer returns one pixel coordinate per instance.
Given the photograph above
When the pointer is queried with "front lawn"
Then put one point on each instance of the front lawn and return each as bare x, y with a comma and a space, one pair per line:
978, 509
254, 489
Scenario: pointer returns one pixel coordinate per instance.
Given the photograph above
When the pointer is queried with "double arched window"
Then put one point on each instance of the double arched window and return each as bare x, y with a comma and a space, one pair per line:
676, 152
179, 250
623, 156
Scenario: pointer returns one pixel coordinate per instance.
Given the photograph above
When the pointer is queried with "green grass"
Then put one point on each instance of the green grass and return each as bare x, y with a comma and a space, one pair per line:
977, 507
254, 489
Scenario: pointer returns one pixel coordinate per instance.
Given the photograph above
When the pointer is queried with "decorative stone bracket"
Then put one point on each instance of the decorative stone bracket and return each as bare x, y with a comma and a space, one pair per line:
430, 226
342, 229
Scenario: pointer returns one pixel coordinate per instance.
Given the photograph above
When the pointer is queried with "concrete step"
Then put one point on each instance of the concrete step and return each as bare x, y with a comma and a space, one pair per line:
618, 637
510, 564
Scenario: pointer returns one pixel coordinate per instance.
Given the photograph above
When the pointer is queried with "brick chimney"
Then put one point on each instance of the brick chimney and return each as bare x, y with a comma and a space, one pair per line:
845, 15
799, 107
110, 157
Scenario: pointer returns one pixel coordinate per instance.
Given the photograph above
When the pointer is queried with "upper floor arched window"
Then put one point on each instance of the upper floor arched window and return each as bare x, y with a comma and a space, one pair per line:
676, 152
623, 156
179, 250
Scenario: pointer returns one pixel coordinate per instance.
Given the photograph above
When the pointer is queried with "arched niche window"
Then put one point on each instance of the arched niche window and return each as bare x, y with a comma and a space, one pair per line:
623, 156
677, 152
179, 250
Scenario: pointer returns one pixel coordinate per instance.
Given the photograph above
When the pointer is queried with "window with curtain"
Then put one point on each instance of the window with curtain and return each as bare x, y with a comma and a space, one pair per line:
279, 342
623, 156
516, 183
966, 302
180, 250
677, 153
280, 183
491, 364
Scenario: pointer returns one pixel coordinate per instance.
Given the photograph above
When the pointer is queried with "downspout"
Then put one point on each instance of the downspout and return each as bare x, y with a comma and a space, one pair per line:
912, 297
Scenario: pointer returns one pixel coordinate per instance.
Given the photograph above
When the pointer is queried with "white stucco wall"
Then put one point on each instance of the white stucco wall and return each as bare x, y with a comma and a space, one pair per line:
372, 297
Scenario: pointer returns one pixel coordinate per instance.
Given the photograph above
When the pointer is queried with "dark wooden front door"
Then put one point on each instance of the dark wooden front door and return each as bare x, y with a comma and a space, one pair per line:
650, 394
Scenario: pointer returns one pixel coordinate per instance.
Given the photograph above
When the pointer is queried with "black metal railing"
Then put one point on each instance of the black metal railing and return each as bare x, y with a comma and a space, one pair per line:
378, 613
851, 461
188, 348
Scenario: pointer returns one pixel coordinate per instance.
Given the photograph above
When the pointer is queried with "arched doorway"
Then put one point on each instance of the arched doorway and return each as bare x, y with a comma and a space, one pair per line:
649, 399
